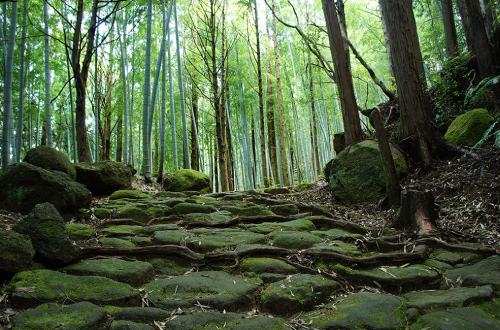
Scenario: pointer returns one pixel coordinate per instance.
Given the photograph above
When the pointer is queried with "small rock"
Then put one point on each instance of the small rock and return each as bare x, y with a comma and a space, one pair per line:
79, 232
116, 242
47, 230
294, 239
130, 194
266, 265
285, 209
186, 208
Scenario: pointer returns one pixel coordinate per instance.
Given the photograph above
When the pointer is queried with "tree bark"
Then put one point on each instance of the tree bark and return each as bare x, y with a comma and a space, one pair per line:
450, 32
349, 107
475, 34
80, 72
415, 123
417, 212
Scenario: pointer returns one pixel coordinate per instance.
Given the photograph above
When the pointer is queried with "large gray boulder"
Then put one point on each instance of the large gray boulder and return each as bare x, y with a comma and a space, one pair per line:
47, 230
23, 185
356, 174
104, 178
50, 159
16, 252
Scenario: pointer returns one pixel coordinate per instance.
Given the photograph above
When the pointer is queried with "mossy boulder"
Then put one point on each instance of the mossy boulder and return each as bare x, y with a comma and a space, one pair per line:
131, 272
51, 286
116, 242
356, 174
267, 265
297, 293
285, 209
79, 232
50, 159
140, 314
143, 212
457, 318
303, 186
294, 239
485, 272
187, 180
469, 128
16, 252
106, 177
48, 233
78, 316
187, 208
23, 185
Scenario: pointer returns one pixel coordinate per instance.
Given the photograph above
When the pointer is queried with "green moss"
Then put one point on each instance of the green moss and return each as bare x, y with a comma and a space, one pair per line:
102, 213
303, 186
132, 194
79, 232
468, 129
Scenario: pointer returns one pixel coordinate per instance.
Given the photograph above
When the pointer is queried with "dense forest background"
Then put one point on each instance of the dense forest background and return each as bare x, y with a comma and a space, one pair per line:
221, 86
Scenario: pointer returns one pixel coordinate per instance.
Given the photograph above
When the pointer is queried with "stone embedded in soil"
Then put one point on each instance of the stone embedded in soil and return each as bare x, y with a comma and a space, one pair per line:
293, 225
134, 273
79, 232
337, 234
337, 247
408, 278
121, 230
285, 209
218, 290
277, 190
143, 211
139, 314
186, 208
246, 211
485, 272
78, 316
116, 242
129, 194
170, 266
458, 318
294, 239
209, 240
440, 299
449, 257
230, 321
323, 223
297, 293
170, 236
361, 311
215, 217
266, 265
31, 288
128, 325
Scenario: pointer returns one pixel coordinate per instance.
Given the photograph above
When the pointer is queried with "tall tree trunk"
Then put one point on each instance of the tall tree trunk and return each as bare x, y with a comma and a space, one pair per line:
119, 138
163, 95
81, 71
489, 10
279, 100
146, 138
261, 99
388, 52
173, 125
19, 130
195, 156
8, 88
349, 107
415, 124
450, 32
271, 126
124, 115
48, 115
475, 33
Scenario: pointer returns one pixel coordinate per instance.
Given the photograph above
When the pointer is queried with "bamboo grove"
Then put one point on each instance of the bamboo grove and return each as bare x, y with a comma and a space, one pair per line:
240, 90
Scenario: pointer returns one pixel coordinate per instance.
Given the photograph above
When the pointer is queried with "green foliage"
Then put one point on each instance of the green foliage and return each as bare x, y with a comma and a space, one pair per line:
490, 132
479, 94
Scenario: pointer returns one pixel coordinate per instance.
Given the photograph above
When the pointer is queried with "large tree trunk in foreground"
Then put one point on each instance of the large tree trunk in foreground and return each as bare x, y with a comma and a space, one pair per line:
343, 74
415, 124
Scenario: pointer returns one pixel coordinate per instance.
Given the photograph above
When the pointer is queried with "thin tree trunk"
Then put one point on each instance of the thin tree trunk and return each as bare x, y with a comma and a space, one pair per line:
123, 50
271, 126
163, 96
173, 125
48, 116
19, 130
8, 88
450, 31
146, 141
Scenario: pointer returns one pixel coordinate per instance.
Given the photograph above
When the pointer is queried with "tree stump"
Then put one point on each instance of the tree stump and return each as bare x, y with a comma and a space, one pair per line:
417, 212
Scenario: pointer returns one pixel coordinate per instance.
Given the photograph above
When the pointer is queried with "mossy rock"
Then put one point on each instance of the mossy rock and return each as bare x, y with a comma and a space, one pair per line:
143, 212
106, 177
246, 211
116, 242
292, 225
129, 325
134, 273
297, 293
285, 209
49, 236
170, 194
356, 174
303, 186
79, 232
122, 230
485, 272
277, 190
457, 318
50, 159
294, 239
187, 208
140, 314
130, 194
222, 239
361, 311
337, 247
230, 321
78, 316
102, 213
50, 286
16, 252
266, 265
169, 237
469, 128
187, 180
337, 234
141, 241
215, 217
171, 266
23, 185
218, 290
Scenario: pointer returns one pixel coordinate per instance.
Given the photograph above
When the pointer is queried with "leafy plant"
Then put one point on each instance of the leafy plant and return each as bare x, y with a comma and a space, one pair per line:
479, 93
490, 132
